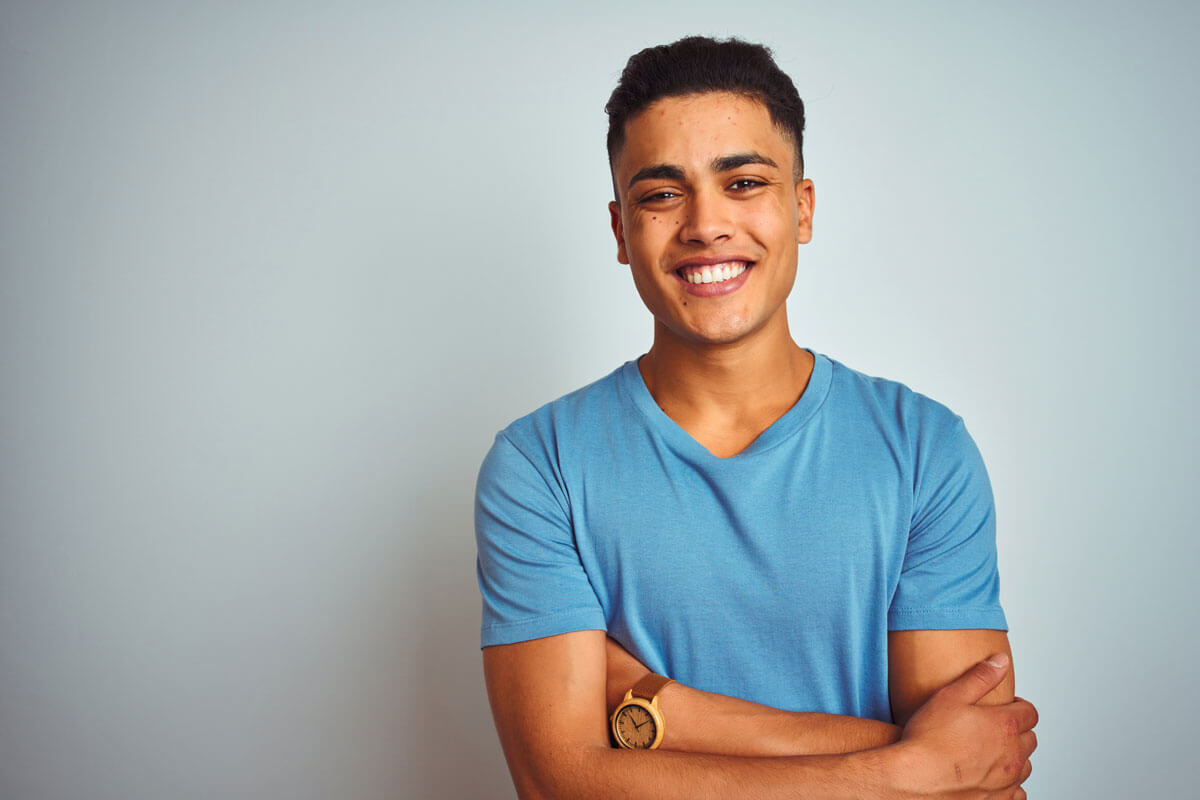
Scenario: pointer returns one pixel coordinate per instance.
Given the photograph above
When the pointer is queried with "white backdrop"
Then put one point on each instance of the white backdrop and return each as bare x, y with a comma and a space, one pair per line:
273, 274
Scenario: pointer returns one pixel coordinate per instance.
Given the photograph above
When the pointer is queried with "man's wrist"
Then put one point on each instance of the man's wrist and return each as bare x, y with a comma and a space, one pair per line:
619, 685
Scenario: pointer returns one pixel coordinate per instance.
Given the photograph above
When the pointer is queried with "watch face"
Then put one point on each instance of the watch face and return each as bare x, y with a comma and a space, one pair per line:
635, 727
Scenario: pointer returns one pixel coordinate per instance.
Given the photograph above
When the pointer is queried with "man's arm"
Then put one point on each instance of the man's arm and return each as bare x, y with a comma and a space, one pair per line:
921, 662
705, 722
548, 700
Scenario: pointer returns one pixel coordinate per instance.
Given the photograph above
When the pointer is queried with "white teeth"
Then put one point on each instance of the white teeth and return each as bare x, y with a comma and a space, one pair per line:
717, 273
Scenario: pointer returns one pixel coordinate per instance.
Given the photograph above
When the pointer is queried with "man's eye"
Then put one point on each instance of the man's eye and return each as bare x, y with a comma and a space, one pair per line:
745, 183
656, 196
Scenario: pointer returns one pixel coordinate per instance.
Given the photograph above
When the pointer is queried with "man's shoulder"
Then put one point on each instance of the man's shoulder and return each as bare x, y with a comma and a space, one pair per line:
890, 402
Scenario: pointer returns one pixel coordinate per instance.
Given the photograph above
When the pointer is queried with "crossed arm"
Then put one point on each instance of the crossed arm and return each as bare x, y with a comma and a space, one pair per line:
551, 697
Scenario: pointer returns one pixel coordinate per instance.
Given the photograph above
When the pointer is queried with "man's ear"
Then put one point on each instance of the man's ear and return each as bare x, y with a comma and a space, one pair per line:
805, 203
614, 211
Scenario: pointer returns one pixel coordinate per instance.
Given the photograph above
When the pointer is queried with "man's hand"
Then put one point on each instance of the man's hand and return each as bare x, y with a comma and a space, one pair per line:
953, 748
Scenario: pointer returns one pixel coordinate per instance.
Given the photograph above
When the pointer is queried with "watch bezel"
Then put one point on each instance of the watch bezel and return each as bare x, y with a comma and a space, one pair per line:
651, 707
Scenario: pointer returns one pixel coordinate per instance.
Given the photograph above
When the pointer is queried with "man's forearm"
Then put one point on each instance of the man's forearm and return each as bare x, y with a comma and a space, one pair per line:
704, 722
658, 775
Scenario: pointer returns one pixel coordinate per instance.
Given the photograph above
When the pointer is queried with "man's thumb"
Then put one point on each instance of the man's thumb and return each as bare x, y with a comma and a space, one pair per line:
980, 679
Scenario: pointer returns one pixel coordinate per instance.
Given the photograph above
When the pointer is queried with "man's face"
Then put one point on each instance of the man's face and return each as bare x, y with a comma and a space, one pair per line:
709, 214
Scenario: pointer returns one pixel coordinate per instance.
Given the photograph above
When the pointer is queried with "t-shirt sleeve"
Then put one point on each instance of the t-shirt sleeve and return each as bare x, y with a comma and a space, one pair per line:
949, 579
530, 575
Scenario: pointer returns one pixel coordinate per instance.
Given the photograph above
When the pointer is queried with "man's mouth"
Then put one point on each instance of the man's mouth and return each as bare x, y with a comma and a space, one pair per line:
712, 273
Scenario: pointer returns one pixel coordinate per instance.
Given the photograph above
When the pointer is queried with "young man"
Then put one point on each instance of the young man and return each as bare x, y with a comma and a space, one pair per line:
804, 554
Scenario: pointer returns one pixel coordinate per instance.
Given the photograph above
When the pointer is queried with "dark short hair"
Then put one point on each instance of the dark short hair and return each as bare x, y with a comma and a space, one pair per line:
698, 64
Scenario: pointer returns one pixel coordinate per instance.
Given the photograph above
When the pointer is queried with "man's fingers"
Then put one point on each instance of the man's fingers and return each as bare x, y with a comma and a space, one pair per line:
1028, 743
1018, 793
980, 679
1026, 714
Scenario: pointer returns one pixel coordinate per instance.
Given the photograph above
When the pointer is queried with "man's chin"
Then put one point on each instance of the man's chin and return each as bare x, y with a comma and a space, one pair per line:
726, 334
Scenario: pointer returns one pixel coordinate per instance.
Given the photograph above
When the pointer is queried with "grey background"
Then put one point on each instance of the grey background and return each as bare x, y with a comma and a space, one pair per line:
273, 274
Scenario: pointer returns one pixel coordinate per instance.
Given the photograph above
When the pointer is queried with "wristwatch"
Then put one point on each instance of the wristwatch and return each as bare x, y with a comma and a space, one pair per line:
637, 724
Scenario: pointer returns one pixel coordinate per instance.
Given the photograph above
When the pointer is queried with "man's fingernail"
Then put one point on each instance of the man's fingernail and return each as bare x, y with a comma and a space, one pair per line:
998, 660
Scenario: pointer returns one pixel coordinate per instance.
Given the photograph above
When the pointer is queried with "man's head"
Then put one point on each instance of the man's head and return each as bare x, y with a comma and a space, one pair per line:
697, 65
710, 200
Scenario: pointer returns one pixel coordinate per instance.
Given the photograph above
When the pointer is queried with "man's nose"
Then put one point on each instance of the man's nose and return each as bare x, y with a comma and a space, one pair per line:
706, 218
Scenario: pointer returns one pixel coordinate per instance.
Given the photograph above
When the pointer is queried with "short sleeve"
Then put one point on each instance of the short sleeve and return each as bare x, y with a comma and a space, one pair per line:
949, 578
532, 581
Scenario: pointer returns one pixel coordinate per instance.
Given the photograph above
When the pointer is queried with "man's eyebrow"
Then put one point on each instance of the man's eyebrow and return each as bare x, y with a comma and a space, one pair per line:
719, 164
668, 171
727, 163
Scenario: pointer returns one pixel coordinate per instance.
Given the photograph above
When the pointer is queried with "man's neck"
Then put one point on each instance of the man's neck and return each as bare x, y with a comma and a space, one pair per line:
724, 396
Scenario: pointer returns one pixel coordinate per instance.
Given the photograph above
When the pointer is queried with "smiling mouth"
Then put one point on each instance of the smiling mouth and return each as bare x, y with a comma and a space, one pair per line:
713, 273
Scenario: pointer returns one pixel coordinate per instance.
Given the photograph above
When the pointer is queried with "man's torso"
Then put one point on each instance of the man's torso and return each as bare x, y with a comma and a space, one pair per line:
772, 575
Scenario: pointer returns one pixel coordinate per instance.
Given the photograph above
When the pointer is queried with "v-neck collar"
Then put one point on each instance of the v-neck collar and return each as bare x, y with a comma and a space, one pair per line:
778, 431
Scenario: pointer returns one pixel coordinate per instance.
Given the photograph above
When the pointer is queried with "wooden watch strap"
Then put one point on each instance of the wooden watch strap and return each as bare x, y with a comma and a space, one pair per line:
650, 685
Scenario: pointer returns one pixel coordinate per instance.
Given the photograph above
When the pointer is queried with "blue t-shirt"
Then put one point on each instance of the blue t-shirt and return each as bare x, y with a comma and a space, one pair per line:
773, 575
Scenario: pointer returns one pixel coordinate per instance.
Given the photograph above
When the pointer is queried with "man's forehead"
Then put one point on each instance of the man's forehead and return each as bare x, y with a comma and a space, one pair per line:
700, 127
